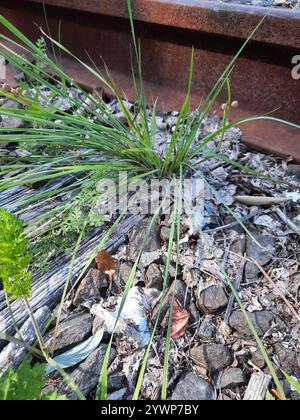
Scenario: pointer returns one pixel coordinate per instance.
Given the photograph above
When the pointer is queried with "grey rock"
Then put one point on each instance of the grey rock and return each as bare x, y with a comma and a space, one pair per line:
124, 272
86, 376
231, 378
191, 387
212, 300
172, 271
293, 169
165, 233
207, 328
212, 357
238, 246
262, 255
98, 324
137, 236
262, 321
289, 360
120, 277
154, 277
62, 104
172, 268
11, 122
116, 381
91, 287
117, 395
258, 359
72, 331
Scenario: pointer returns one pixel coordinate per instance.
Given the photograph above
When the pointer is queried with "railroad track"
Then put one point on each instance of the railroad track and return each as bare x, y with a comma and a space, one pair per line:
262, 80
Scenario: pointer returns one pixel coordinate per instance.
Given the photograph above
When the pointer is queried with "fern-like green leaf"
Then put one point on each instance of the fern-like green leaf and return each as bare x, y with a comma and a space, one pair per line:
14, 257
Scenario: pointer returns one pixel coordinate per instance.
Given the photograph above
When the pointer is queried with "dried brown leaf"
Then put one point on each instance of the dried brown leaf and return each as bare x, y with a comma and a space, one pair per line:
180, 320
106, 264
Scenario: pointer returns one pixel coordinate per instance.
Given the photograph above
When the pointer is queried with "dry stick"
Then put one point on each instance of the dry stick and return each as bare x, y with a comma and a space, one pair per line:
236, 285
232, 224
286, 220
278, 290
36, 327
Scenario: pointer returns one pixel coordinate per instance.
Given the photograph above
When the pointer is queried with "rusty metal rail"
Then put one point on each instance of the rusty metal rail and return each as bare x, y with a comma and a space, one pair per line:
262, 80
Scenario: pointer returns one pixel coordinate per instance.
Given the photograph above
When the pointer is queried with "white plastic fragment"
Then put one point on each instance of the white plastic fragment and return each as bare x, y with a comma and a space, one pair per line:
133, 319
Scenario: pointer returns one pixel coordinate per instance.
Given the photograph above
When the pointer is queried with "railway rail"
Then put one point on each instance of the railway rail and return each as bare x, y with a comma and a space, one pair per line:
263, 78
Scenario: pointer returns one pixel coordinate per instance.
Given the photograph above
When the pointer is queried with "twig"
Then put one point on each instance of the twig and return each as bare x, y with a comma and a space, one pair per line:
278, 290
35, 326
235, 223
286, 220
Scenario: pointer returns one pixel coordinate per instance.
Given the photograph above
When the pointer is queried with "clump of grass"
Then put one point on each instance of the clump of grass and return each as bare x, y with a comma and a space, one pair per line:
93, 143
81, 147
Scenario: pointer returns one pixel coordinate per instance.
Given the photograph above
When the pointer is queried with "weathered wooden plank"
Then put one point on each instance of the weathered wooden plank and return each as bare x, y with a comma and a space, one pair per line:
12, 355
11, 198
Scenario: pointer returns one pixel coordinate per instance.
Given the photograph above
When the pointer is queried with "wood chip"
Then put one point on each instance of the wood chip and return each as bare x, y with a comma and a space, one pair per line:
257, 387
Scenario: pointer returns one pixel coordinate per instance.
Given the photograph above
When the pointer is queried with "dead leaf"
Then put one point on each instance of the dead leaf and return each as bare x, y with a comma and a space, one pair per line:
180, 320
106, 264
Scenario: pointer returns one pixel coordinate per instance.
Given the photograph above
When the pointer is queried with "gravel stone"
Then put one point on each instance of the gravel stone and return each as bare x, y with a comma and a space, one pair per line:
262, 321
154, 277
191, 387
212, 300
262, 255
232, 378
212, 357
72, 331
91, 288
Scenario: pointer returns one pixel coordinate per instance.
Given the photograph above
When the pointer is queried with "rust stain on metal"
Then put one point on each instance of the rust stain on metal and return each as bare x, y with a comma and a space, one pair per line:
206, 16
262, 78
